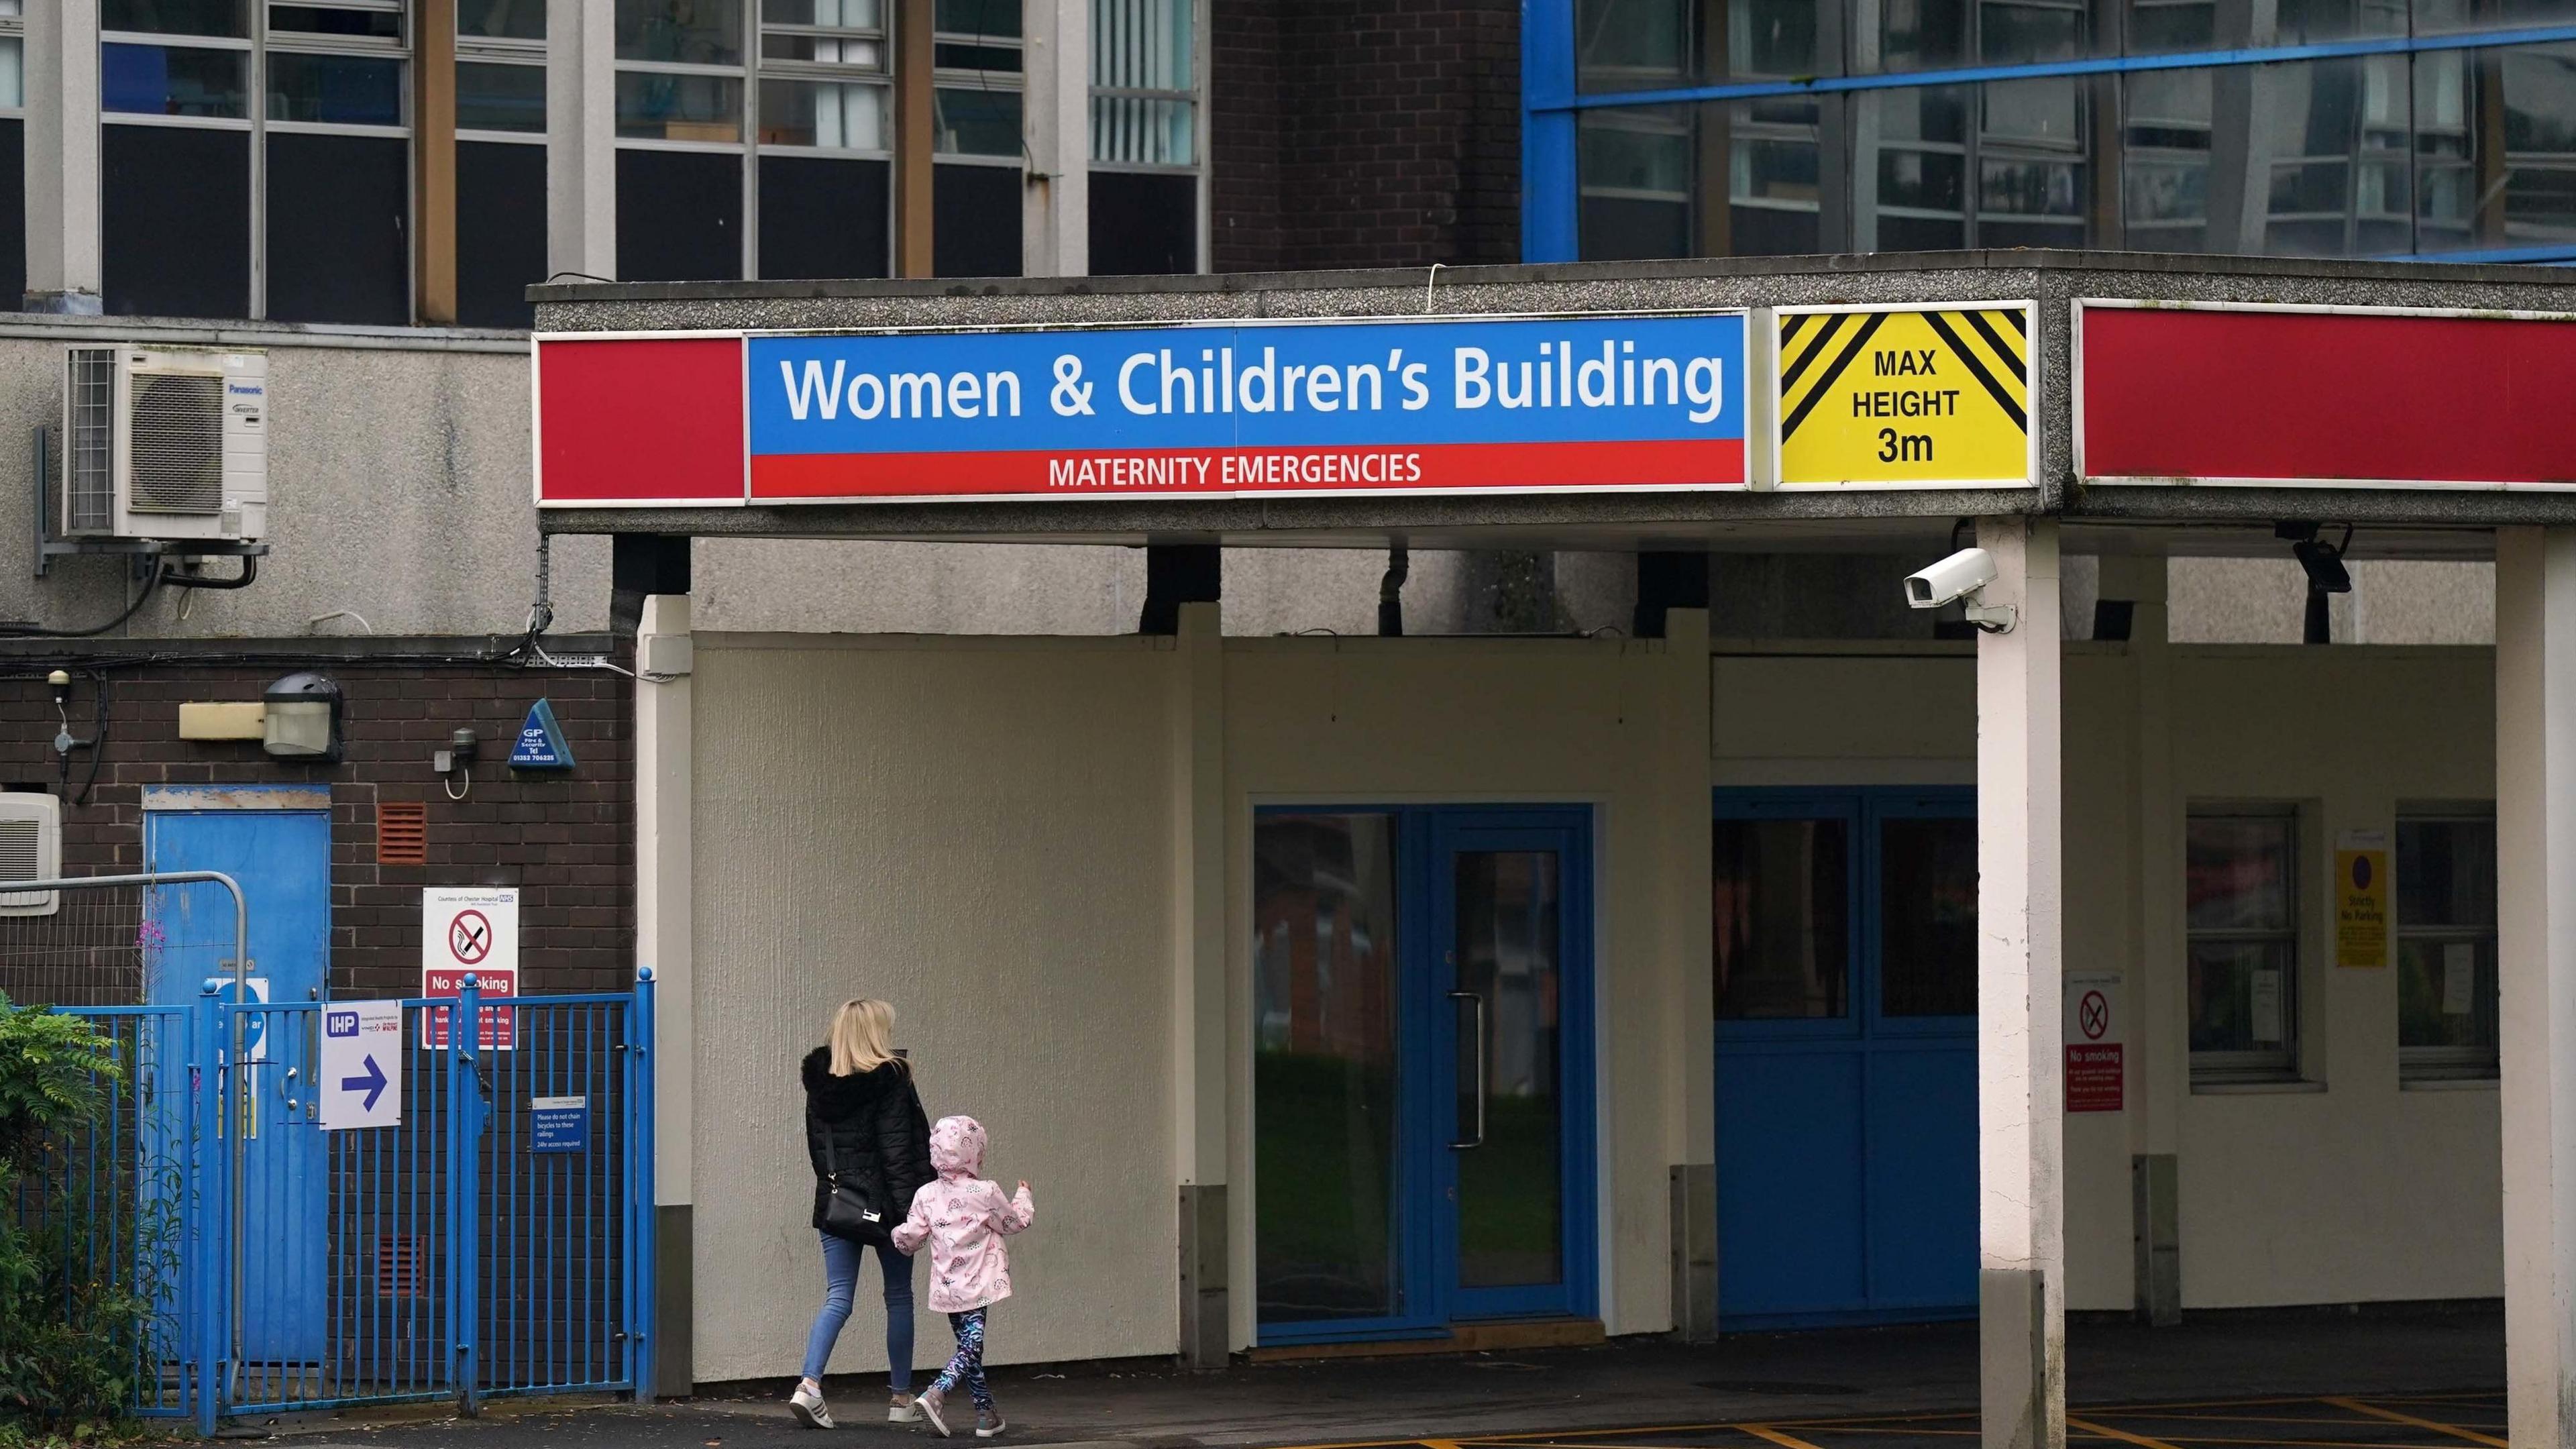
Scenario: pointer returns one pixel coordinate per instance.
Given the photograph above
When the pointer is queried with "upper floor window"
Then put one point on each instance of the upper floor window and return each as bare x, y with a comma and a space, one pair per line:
191, 91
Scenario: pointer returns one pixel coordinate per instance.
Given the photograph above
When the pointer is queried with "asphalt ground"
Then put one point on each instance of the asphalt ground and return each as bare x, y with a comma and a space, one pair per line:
2410, 1380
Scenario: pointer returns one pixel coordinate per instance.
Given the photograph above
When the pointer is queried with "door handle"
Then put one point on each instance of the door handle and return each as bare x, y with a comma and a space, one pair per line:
1479, 1002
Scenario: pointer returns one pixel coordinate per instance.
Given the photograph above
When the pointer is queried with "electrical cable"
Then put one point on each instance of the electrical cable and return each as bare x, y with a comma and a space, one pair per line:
151, 586
248, 576
97, 739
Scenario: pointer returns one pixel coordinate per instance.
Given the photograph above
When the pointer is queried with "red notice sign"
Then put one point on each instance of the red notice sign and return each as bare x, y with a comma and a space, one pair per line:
2093, 1077
2322, 397
2096, 1063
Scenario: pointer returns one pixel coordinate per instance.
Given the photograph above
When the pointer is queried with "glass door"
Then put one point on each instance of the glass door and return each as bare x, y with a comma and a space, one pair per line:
1518, 1054
1422, 1068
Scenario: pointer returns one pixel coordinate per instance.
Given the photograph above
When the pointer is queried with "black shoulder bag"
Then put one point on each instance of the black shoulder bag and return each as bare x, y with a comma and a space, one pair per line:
849, 1211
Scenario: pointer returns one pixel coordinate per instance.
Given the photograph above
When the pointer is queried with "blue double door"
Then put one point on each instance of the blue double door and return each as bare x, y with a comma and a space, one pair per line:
276, 845
1422, 1068
1846, 978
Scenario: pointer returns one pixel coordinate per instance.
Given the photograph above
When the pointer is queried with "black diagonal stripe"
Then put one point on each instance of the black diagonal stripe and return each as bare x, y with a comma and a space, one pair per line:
1860, 339
1986, 330
2013, 316
1824, 339
1793, 324
1978, 371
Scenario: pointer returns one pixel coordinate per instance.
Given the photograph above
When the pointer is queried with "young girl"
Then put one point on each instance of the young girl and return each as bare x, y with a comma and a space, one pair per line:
964, 1218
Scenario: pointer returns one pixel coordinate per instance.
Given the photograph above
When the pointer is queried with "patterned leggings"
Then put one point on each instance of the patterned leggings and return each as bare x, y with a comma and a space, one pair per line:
968, 1364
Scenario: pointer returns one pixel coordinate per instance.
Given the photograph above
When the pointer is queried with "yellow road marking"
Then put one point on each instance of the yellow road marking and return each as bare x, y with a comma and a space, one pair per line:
1785, 1441
2394, 1417
2123, 1435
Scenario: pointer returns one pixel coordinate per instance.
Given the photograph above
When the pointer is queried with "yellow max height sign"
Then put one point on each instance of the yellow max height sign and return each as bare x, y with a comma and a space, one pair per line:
1905, 397
2361, 898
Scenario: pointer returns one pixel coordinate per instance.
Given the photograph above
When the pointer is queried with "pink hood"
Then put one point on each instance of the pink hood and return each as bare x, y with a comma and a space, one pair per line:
957, 1147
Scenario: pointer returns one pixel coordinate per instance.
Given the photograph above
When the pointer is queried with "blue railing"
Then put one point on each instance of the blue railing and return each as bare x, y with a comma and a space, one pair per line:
497, 1241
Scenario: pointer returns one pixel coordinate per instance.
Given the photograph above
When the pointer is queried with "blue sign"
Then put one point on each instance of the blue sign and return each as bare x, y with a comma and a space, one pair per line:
558, 1124
541, 745
1360, 406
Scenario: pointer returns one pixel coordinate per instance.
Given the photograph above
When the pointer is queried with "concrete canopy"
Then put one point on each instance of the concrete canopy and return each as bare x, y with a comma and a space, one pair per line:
2392, 522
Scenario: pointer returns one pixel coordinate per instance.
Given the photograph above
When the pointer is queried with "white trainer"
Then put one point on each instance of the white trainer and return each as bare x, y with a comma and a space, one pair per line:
807, 1405
902, 1410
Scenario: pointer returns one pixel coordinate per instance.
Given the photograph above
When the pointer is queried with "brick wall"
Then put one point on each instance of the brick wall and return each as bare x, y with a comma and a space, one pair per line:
1355, 133
566, 839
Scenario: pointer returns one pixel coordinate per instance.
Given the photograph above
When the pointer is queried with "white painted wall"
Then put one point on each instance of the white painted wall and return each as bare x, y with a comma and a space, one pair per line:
2364, 1191
981, 830
1363, 721
2360, 1192
976, 831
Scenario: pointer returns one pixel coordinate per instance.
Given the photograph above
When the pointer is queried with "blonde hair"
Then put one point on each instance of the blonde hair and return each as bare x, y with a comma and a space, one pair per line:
862, 1037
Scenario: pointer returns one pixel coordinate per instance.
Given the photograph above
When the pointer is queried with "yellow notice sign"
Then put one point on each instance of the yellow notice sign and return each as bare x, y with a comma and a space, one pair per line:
1898, 397
2361, 898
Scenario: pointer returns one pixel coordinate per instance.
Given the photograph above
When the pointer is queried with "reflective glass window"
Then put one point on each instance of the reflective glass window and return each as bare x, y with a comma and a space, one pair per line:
177, 17
500, 97
354, 90
2446, 945
174, 80
663, 106
502, 19
686, 32
2241, 940
1782, 901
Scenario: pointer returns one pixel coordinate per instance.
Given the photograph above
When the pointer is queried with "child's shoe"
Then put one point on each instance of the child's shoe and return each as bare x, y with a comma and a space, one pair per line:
807, 1405
930, 1403
901, 1410
988, 1424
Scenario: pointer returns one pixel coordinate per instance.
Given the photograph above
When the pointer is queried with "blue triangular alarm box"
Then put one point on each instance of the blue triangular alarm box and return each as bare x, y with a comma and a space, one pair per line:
541, 745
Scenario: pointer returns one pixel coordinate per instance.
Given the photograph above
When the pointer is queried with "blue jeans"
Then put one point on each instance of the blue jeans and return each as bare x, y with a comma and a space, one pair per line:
840, 1283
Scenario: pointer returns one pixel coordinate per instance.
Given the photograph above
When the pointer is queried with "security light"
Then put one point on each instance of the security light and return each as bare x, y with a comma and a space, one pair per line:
302, 719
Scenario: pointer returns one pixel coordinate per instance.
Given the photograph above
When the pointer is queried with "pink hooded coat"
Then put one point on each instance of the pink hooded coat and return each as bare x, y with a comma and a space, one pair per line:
964, 1219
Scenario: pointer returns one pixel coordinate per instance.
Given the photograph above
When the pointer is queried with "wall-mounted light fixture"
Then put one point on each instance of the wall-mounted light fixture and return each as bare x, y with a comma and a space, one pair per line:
302, 719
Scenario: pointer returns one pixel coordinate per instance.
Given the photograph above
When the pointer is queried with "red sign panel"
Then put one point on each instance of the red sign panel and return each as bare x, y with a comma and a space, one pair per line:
2094, 1075
499, 1032
640, 421
2270, 396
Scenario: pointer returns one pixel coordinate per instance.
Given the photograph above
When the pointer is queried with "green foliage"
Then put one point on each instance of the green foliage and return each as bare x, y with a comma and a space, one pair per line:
78, 1270
52, 1068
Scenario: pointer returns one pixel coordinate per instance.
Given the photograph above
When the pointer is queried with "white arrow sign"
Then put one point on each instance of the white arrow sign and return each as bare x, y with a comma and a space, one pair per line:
362, 1060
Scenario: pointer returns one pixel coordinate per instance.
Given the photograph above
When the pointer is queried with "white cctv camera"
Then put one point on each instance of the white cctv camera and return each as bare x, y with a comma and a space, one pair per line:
1960, 576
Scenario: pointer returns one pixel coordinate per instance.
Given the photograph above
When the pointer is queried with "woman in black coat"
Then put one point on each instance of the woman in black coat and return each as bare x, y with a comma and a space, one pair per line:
864, 1126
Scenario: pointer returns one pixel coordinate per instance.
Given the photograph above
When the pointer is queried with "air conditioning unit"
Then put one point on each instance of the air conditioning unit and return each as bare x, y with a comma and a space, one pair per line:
165, 443
31, 848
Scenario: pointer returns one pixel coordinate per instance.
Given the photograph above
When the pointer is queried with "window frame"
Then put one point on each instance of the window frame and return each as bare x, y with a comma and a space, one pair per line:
2448, 1063
257, 46
2284, 1063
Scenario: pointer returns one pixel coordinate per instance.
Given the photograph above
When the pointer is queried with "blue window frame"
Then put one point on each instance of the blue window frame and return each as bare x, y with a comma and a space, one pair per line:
2384, 128
1424, 1064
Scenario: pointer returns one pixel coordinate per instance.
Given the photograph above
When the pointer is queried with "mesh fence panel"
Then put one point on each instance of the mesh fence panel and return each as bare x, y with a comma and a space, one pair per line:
108, 945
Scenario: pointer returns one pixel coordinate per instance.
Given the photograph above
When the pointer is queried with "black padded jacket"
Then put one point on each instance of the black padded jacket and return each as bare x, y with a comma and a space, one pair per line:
871, 1126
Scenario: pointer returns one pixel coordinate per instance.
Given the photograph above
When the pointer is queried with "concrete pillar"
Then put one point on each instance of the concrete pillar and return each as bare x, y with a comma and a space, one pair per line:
1203, 1113
2156, 986
662, 925
581, 138
2536, 929
64, 272
1682, 761
2020, 1074
1055, 215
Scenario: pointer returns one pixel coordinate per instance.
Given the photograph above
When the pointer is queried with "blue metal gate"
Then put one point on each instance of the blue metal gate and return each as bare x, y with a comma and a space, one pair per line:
497, 1241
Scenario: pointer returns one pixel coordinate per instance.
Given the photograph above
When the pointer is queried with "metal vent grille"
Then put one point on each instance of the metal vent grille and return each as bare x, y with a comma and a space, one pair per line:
176, 451
89, 464
398, 1265
21, 854
402, 833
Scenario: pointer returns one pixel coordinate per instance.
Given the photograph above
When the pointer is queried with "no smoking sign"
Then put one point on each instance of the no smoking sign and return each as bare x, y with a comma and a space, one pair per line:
2096, 1062
470, 933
